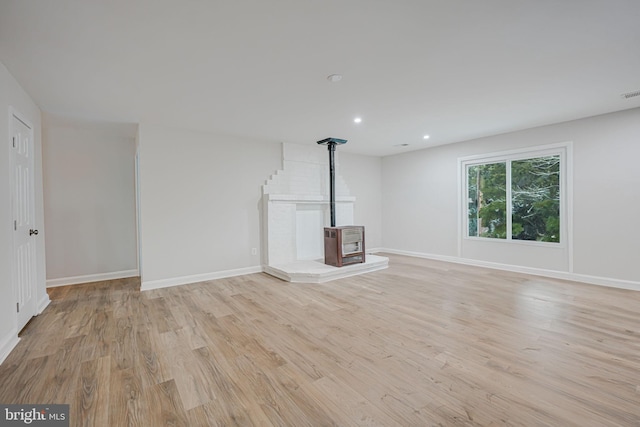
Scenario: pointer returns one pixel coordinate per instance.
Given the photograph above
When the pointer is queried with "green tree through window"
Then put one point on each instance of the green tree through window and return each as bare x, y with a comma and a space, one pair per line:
487, 200
535, 199
527, 190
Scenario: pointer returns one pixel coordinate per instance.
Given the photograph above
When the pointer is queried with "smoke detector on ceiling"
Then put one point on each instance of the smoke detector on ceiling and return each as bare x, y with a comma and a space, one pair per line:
334, 78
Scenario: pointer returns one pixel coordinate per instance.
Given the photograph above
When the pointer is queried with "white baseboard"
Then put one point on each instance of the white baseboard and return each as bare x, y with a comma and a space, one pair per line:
185, 280
8, 343
64, 281
564, 275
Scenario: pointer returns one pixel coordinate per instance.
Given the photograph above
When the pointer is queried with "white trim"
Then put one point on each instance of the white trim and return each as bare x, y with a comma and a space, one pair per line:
8, 343
554, 274
303, 198
138, 216
565, 150
43, 303
535, 243
568, 186
463, 205
15, 114
18, 115
516, 154
509, 200
75, 280
185, 280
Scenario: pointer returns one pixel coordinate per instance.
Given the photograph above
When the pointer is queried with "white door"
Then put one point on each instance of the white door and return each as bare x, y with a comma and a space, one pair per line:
25, 232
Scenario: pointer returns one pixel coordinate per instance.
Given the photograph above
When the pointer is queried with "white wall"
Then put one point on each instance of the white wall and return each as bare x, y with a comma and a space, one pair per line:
363, 176
12, 95
200, 201
89, 197
420, 198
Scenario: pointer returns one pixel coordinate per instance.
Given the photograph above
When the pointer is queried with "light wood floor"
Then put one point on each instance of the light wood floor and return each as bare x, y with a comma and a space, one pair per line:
423, 343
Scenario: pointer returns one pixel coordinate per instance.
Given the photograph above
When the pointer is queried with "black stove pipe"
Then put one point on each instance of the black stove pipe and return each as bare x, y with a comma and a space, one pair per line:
331, 146
332, 183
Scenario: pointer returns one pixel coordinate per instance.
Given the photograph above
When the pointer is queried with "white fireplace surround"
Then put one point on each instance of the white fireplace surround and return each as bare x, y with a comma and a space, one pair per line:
296, 205
295, 212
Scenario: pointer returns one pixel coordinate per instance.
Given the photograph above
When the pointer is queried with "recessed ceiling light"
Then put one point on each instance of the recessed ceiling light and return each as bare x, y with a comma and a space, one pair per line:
425, 137
357, 120
333, 78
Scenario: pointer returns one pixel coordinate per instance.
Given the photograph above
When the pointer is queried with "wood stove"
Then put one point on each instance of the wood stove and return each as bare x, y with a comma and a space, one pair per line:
342, 245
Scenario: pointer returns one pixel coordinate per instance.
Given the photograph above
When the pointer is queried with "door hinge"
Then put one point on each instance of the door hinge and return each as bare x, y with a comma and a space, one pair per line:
18, 307
14, 142
15, 225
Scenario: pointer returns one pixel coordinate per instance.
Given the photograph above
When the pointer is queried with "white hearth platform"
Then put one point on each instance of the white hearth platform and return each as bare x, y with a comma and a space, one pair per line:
316, 271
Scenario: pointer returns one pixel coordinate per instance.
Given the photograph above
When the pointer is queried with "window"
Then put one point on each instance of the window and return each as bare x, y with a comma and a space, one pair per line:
515, 196
487, 212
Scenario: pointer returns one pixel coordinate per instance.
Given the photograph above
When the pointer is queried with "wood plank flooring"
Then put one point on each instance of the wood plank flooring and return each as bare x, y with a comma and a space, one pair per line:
423, 343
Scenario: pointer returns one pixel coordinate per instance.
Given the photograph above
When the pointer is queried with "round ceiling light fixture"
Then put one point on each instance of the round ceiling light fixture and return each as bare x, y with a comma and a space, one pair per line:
425, 137
357, 120
334, 78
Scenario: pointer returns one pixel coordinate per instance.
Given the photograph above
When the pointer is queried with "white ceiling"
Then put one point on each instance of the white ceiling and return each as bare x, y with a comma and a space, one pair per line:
455, 69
